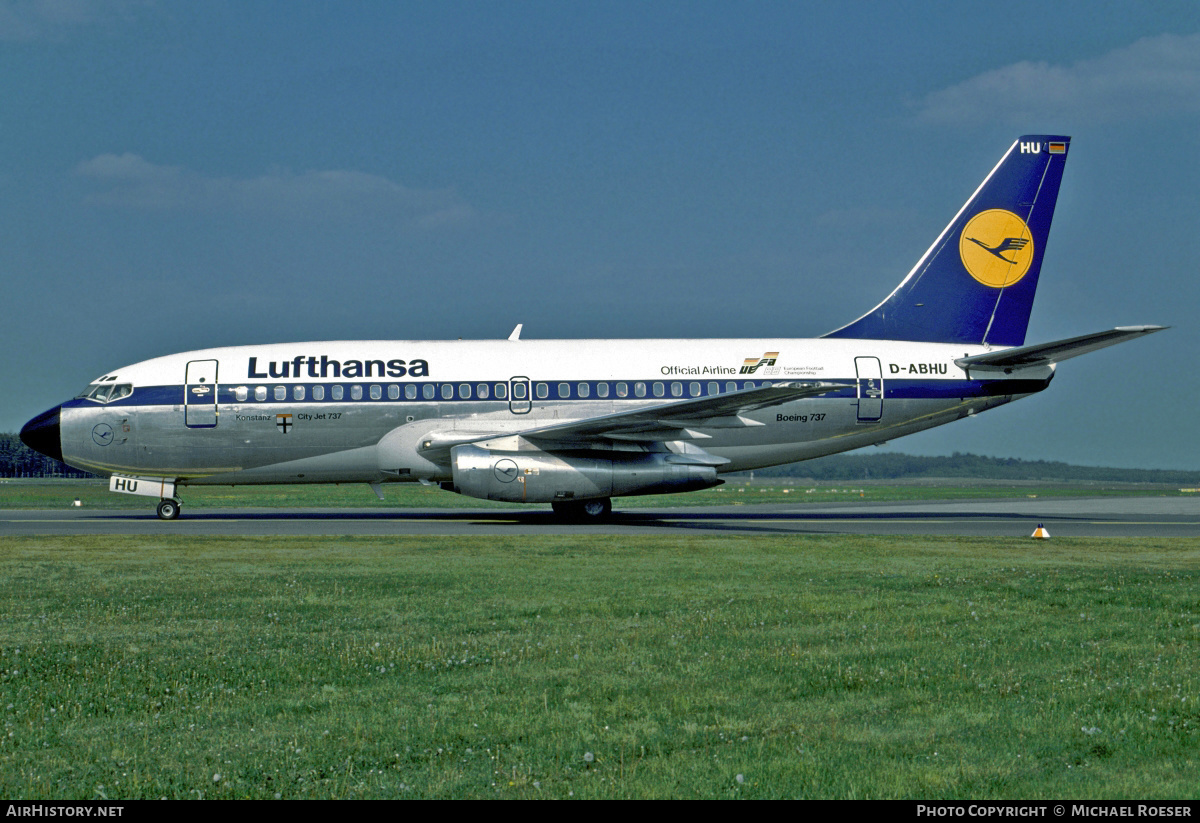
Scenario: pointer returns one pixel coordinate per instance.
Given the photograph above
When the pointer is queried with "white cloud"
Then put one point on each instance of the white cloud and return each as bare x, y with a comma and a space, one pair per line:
1153, 77
129, 180
42, 19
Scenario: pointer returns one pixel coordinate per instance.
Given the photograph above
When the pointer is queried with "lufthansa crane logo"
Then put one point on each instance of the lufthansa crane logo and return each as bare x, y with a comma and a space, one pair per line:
506, 470
996, 248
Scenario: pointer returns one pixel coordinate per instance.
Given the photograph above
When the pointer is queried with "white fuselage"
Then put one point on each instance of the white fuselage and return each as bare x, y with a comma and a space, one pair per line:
369, 411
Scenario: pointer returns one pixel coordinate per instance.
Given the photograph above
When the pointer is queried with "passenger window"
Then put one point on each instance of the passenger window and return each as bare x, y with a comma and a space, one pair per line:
622, 390
731, 386
338, 392
694, 389
356, 392
447, 391
677, 390
427, 391
482, 391
260, 392
659, 391
584, 389
501, 391
241, 393
518, 391
602, 390
564, 390
543, 391
297, 392
410, 391
639, 389
376, 392
318, 392
393, 392
464, 391
281, 392
713, 388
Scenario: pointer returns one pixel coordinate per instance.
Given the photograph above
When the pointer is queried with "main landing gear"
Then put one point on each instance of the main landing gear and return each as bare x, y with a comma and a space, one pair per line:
583, 511
168, 509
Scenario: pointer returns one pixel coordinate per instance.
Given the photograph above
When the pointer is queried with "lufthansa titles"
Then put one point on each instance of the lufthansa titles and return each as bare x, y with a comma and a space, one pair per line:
324, 366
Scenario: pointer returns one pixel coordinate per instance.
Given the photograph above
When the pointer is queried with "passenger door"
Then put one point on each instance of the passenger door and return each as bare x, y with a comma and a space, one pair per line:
870, 389
200, 395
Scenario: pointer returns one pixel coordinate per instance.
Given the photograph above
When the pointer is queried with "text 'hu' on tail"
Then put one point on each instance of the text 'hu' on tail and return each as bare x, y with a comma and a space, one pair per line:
976, 282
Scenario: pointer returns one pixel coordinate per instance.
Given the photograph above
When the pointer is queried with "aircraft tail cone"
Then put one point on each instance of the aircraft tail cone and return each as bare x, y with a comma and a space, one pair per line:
1040, 532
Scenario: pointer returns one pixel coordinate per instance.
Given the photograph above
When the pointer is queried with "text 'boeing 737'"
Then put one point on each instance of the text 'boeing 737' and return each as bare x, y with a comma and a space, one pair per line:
575, 423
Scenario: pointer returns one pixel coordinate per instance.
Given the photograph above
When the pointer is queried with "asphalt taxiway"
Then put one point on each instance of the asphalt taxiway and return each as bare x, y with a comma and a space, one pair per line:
1062, 517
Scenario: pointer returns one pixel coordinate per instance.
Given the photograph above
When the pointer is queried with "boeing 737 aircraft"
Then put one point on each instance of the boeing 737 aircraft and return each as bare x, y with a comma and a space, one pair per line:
575, 423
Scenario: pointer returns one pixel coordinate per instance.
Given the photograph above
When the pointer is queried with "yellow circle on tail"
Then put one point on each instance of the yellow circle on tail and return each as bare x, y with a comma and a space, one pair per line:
996, 247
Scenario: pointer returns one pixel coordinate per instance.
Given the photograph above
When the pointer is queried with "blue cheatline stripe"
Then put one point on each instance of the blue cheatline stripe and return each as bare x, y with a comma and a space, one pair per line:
898, 389
895, 388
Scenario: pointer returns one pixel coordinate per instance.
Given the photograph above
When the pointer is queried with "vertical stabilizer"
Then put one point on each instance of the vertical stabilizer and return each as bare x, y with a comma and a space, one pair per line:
976, 282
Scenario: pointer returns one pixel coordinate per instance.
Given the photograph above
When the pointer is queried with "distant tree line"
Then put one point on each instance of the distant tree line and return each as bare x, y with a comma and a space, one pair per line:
896, 466
18, 460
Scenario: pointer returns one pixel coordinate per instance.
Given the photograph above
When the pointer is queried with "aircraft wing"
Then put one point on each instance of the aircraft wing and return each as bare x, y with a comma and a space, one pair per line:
1044, 354
680, 420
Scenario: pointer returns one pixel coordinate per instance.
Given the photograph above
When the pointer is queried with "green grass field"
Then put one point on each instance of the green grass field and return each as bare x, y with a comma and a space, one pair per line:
589, 667
94, 494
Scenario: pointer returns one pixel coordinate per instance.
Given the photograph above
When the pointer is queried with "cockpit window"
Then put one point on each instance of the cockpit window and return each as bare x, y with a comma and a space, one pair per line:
98, 393
107, 392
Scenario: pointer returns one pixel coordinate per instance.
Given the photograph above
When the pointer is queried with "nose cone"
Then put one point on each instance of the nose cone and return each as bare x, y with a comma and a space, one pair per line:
42, 435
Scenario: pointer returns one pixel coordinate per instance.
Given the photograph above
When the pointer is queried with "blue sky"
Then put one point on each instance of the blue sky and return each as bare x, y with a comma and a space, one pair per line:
183, 175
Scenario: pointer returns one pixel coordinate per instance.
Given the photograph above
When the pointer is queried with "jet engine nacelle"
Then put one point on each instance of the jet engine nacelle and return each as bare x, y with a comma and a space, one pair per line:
540, 477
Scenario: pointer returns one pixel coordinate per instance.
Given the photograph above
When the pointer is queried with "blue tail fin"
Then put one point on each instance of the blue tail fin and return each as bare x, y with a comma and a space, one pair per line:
975, 284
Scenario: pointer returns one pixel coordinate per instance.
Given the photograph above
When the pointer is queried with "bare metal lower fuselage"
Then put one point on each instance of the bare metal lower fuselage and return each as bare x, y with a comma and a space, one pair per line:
374, 439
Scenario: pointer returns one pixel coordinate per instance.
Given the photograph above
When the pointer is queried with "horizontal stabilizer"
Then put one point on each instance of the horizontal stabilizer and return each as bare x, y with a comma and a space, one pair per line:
1043, 354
